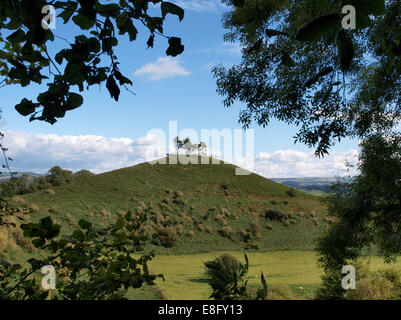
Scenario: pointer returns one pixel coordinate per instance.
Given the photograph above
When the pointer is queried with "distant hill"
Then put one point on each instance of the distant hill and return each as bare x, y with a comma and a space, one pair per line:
190, 208
321, 184
5, 176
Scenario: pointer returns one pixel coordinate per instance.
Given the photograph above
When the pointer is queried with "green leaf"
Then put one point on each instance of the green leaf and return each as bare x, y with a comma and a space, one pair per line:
346, 50
68, 12
83, 21
60, 56
108, 10
17, 37
274, 33
175, 47
168, 7
121, 79
26, 107
74, 72
113, 88
375, 7
239, 3
84, 224
74, 101
311, 81
316, 28
150, 41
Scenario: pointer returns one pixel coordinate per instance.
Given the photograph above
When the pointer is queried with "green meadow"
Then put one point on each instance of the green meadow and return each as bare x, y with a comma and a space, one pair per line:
292, 274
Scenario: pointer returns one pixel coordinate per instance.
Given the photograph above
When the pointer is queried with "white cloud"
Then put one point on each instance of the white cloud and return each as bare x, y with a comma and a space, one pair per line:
200, 5
291, 163
162, 68
39, 152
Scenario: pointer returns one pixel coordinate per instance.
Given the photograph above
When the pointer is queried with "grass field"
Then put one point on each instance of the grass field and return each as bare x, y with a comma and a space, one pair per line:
291, 274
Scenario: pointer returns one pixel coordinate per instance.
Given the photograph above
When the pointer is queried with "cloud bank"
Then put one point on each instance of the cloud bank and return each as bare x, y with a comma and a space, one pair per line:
39, 152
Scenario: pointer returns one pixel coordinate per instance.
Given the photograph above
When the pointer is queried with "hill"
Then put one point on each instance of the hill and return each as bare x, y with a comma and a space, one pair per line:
190, 208
319, 185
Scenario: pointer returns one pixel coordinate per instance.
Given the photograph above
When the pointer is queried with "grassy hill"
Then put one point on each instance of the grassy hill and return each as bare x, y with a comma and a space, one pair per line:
190, 208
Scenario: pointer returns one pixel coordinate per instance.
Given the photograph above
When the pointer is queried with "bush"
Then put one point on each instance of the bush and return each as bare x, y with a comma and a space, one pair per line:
226, 232
209, 229
50, 191
226, 277
254, 245
19, 200
34, 208
83, 173
166, 237
377, 285
292, 193
256, 230
272, 214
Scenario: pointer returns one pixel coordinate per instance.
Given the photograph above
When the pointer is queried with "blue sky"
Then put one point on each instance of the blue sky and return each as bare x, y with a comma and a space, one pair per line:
180, 89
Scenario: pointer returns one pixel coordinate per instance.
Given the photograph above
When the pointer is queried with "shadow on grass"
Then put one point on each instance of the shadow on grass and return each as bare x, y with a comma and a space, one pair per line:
199, 280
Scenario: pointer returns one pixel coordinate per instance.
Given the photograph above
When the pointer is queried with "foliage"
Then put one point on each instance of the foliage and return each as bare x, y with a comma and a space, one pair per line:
367, 207
24, 56
227, 279
90, 263
188, 146
24, 184
301, 67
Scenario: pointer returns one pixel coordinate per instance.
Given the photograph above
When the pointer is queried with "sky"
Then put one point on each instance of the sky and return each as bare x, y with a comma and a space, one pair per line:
104, 135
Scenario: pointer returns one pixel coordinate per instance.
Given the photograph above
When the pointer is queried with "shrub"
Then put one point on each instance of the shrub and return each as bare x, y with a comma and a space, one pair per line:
209, 229
280, 292
226, 277
191, 233
377, 285
50, 191
178, 194
166, 237
269, 226
180, 229
18, 200
83, 173
226, 232
70, 219
256, 229
3, 239
254, 245
272, 214
201, 227
292, 193
34, 208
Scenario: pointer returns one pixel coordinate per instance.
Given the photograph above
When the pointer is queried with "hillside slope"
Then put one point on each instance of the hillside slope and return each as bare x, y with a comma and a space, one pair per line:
190, 208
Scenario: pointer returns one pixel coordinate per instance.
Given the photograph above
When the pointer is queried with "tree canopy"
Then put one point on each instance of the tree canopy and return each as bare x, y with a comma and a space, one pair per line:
89, 60
300, 66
